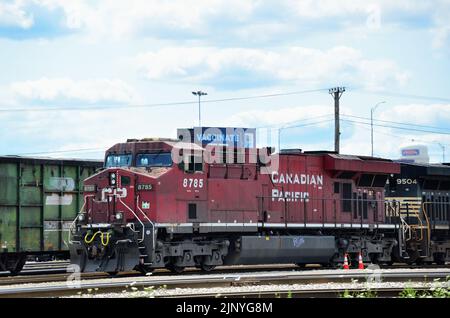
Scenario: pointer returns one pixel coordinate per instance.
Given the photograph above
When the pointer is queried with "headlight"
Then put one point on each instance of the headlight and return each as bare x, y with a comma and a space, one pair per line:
119, 216
112, 178
81, 217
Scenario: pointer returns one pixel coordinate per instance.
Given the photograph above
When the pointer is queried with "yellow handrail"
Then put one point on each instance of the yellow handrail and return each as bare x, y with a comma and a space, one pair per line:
425, 213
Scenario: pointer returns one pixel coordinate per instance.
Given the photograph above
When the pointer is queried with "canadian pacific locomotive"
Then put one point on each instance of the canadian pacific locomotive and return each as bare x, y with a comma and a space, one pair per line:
162, 203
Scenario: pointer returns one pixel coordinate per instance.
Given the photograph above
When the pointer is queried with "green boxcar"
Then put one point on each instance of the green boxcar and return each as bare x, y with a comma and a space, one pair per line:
39, 199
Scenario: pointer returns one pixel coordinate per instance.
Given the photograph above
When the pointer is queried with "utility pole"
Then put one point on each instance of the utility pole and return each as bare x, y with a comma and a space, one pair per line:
371, 122
199, 94
336, 92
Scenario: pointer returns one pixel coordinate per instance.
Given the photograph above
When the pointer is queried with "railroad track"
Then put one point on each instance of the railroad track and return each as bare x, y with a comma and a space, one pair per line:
41, 276
117, 285
42, 272
41, 268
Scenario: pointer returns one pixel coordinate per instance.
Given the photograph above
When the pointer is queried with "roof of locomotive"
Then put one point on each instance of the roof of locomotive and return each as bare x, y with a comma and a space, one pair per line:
353, 163
427, 169
151, 144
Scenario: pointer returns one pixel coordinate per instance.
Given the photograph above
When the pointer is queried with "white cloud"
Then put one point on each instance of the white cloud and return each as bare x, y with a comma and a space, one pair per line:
233, 19
441, 30
115, 18
65, 89
13, 14
299, 64
282, 117
425, 114
328, 8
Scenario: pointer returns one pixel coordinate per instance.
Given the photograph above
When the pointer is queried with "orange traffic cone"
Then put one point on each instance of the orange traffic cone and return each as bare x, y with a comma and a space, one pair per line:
346, 262
360, 261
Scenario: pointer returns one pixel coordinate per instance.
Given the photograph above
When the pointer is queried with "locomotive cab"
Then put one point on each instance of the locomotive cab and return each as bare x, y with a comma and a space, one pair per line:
115, 230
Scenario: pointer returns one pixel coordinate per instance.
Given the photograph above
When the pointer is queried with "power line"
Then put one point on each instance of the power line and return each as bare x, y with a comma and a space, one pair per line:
297, 126
437, 143
61, 151
292, 122
309, 124
97, 107
102, 149
396, 127
400, 136
396, 122
410, 96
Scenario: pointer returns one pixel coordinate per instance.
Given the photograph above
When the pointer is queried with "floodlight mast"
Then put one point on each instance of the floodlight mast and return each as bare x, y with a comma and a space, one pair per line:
199, 94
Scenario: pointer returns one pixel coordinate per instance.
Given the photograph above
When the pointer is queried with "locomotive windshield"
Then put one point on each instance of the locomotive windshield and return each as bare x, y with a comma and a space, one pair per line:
162, 159
118, 161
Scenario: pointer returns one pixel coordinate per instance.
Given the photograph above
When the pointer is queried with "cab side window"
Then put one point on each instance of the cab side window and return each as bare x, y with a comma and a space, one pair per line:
193, 163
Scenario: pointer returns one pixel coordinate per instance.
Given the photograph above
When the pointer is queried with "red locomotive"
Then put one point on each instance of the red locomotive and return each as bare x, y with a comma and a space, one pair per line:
162, 203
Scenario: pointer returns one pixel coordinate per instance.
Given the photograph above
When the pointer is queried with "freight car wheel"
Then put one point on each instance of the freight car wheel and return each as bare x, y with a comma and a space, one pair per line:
17, 267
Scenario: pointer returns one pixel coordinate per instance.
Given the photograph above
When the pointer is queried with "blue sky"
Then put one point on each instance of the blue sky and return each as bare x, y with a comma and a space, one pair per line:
108, 56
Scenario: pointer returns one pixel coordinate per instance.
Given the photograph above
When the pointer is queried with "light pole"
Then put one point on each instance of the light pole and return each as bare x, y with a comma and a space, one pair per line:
371, 122
279, 139
443, 151
199, 94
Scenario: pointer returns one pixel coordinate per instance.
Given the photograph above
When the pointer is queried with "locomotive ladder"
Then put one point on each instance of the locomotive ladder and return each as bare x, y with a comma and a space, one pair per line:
404, 232
418, 233
426, 231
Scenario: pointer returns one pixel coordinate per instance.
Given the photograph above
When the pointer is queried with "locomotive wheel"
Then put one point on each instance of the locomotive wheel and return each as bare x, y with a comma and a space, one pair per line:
143, 269
301, 265
175, 269
207, 268
114, 273
414, 257
439, 258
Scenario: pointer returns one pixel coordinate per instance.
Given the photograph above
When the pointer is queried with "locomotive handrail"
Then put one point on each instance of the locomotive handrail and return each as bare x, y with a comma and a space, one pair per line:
306, 205
153, 225
76, 218
135, 215
421, 223
406, 228
425, 213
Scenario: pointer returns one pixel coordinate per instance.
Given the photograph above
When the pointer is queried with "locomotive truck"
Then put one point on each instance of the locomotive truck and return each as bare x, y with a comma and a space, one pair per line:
164, 203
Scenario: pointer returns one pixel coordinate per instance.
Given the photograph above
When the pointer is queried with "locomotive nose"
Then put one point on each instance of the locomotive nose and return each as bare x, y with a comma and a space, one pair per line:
113, 197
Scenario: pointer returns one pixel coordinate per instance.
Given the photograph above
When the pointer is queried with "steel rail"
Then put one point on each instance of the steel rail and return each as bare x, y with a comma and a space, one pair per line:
212, 280
43, 275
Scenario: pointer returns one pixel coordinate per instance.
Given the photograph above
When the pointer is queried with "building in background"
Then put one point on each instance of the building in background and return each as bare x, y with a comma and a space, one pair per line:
414, 154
